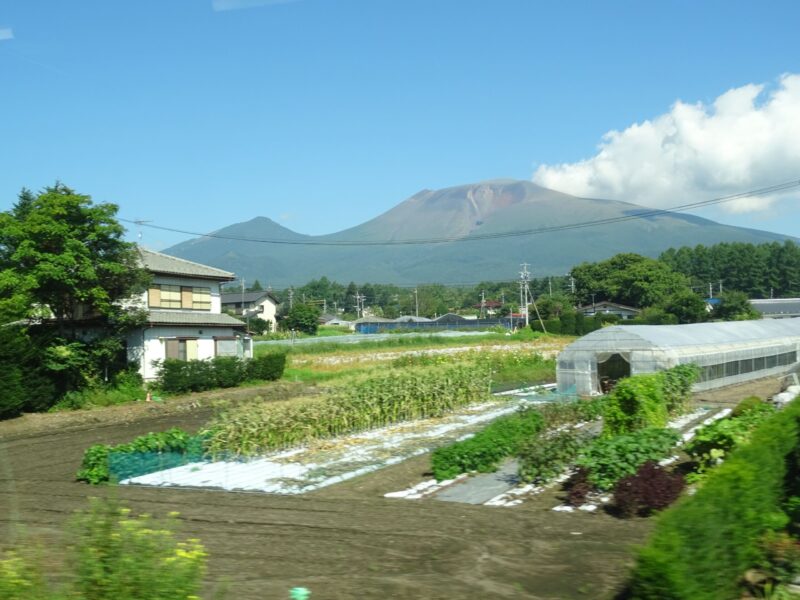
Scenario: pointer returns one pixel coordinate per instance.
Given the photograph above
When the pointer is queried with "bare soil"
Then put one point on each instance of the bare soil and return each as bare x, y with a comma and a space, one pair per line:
345, 541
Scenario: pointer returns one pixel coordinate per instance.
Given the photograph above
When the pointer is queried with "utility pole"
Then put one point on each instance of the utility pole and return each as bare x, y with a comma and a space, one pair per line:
291, 298
483, 304
550, 286
358, 304
524, 278
242, 295
720, 286
710, 290
416, 302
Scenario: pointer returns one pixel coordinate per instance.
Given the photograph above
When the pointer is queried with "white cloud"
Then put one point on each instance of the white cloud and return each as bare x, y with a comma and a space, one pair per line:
6, 33
747, 139
221, 5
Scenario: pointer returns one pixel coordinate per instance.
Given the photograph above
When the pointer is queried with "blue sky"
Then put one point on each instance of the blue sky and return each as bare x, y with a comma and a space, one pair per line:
321, 114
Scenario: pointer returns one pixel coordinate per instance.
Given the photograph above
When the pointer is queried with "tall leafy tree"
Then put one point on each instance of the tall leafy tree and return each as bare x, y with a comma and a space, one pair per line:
64, 261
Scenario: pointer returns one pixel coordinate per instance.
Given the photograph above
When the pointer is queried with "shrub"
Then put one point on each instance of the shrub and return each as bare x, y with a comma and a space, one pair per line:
716, 440
541, 460
112, 555
746, 405
610, 459
650, 489
703, 544
267, 367
648, 400
501, 438
180, 376
577, 411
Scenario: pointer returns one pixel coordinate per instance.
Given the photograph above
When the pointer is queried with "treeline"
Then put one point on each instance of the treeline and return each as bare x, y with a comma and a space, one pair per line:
760, 271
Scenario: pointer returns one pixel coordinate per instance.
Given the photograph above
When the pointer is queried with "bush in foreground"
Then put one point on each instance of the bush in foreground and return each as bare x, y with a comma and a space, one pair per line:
181, 376
114, 555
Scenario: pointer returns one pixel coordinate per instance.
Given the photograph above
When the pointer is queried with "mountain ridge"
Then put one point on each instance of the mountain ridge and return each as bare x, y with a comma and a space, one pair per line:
470, 223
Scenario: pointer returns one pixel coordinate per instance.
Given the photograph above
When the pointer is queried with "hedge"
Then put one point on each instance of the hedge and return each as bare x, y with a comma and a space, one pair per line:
180, 376
702, 546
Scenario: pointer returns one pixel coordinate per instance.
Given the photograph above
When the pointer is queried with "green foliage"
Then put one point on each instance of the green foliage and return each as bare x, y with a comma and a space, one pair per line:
63, 259
180, 376
267, 367
126, 387
117, 556
734, 306
746, 405
702, 546
628, 279
303, 318
544, 458
508, 436
25, 384
390, 397
145, 454
760, 271
259, 326
648, 400
482, 452
712, 443
608, 460
686, 306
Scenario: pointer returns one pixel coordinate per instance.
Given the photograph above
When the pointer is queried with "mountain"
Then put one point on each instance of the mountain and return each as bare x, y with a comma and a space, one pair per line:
468, 223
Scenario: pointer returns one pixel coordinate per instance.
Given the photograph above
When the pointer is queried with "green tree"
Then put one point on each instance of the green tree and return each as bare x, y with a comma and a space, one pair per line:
63, 260
734, 306
687, 306
302, 317
628, 279
256, 287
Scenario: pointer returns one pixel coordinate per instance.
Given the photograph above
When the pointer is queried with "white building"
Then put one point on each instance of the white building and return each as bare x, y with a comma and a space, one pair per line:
263, 305
184, 315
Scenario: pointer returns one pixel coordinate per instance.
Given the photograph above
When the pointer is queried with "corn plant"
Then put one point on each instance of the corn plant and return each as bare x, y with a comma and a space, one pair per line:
376, 401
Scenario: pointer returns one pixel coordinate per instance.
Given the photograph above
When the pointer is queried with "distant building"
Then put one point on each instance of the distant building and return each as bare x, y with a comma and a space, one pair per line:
777, 308
260, 304
609, 308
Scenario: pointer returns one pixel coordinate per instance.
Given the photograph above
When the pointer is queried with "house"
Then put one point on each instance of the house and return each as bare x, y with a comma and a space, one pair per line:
184, 315
609, 308
262, 304
777, 308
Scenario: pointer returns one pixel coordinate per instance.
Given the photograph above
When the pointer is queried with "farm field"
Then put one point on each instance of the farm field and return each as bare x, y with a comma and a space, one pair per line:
341, 541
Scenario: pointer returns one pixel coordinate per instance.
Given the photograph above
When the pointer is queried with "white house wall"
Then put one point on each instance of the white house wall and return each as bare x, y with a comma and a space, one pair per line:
151, 343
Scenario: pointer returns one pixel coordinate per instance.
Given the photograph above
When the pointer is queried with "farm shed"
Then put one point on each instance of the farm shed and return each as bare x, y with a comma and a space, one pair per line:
727, 353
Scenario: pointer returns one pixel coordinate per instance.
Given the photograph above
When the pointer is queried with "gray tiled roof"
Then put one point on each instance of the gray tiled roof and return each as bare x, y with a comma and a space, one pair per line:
156, 262
178, 317
249, 297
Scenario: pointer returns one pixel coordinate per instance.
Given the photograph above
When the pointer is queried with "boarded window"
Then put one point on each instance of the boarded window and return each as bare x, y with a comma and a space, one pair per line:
186, 297
201, 298
170, 296
154, 296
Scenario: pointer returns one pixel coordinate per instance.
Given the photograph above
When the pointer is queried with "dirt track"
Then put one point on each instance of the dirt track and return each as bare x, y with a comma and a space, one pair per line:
346, 541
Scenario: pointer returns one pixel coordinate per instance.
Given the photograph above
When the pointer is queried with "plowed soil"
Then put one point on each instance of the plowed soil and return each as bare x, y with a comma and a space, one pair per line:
345, 541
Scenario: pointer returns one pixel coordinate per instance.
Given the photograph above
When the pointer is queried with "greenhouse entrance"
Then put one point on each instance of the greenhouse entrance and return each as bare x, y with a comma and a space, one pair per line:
611, 370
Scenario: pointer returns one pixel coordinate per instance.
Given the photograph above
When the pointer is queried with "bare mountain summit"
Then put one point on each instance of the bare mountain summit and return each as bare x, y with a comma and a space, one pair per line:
472, 220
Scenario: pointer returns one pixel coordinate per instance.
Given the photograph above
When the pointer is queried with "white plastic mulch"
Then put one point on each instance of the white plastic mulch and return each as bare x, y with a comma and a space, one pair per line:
302, 470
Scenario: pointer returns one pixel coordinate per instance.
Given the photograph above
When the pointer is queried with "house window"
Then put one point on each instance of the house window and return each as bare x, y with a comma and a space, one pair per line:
176, 296
182, 349
201, 298
227, 347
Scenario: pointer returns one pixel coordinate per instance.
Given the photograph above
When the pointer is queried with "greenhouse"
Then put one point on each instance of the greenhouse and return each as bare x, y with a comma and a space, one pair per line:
727, 353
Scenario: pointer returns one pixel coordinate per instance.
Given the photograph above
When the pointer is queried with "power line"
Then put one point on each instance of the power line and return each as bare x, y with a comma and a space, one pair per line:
507, 234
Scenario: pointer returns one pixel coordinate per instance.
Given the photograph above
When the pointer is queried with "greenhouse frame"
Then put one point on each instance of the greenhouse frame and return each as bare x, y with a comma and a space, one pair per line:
727, 353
